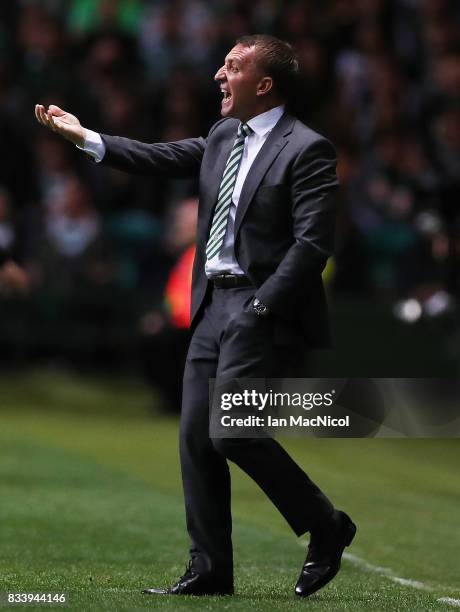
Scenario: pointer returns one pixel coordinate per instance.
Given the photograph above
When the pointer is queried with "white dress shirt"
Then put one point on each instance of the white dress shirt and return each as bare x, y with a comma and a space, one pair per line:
261, 126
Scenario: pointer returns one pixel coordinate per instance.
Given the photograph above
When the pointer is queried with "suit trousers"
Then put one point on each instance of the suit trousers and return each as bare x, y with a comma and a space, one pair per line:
231, 341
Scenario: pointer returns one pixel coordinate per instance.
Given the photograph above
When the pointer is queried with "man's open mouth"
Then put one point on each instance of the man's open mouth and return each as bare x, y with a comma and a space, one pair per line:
226, 95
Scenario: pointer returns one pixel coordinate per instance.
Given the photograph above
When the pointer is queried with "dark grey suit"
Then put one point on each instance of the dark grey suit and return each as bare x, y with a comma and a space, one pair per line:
283, 236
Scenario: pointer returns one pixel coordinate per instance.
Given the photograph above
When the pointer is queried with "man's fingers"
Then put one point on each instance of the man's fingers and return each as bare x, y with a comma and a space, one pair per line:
38, 113
55, 111
48, 121
43, 117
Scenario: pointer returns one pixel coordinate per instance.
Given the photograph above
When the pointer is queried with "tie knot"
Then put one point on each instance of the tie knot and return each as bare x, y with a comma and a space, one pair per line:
244, 130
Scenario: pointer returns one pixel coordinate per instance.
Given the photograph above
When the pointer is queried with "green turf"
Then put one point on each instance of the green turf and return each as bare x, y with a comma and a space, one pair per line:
91, 504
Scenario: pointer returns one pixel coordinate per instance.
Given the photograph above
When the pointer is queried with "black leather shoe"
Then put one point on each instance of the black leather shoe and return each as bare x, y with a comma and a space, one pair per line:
194, 583
325, 553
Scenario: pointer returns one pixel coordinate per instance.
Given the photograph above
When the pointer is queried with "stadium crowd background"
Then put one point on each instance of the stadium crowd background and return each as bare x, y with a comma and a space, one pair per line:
380, 78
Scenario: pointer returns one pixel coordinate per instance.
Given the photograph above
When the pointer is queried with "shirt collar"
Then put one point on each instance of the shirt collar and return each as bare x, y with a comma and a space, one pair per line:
265, 122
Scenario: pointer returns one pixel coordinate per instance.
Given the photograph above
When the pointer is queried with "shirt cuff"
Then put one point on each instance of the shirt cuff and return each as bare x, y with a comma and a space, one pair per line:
94, 145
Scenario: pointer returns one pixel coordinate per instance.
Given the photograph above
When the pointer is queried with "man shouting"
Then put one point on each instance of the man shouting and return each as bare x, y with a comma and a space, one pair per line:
265, 231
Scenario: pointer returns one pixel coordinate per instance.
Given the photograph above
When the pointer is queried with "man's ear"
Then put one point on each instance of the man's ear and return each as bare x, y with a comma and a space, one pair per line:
265, 85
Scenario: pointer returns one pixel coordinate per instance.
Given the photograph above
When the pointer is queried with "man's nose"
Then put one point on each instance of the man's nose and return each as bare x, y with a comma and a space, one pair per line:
220, 74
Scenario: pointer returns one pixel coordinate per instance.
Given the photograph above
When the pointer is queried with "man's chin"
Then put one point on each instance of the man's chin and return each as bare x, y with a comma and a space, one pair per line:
226, 110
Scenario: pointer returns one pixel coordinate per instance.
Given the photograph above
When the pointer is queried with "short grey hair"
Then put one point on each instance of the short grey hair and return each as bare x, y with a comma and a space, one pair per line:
277, 58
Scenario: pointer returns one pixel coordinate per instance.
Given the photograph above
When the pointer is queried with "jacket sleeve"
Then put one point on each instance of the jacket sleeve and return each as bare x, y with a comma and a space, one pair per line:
180, 159
313, 188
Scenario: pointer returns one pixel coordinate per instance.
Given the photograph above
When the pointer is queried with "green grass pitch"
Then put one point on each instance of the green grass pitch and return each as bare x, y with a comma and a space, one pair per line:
91, 505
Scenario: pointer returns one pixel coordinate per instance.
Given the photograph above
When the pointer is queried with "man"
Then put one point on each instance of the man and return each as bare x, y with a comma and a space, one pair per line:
265, 231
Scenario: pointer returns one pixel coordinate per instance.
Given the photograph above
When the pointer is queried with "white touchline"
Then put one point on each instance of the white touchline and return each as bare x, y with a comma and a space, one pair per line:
385, 571
416, 584
388, 573
450, 601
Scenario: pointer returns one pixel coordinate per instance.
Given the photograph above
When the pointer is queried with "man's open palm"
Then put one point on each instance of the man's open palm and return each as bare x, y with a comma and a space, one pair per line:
62, 123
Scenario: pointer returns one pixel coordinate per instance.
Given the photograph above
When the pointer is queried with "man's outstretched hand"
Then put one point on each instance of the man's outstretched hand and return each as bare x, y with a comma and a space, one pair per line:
62, 123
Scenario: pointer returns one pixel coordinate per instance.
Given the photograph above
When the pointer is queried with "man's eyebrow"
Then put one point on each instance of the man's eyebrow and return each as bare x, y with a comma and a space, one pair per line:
231, 60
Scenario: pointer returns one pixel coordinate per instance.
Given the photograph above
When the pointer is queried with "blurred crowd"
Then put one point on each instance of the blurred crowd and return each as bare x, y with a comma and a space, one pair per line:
380, 78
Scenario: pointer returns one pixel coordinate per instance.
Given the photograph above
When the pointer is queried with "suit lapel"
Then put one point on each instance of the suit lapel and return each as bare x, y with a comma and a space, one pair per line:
270, 150
219, 167
215, 177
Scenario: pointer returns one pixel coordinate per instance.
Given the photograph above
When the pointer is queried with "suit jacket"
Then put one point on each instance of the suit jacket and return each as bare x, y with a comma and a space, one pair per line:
284, 223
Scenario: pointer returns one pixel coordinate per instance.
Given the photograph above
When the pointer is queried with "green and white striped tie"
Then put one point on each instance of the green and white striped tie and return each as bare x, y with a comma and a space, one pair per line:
224, 199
